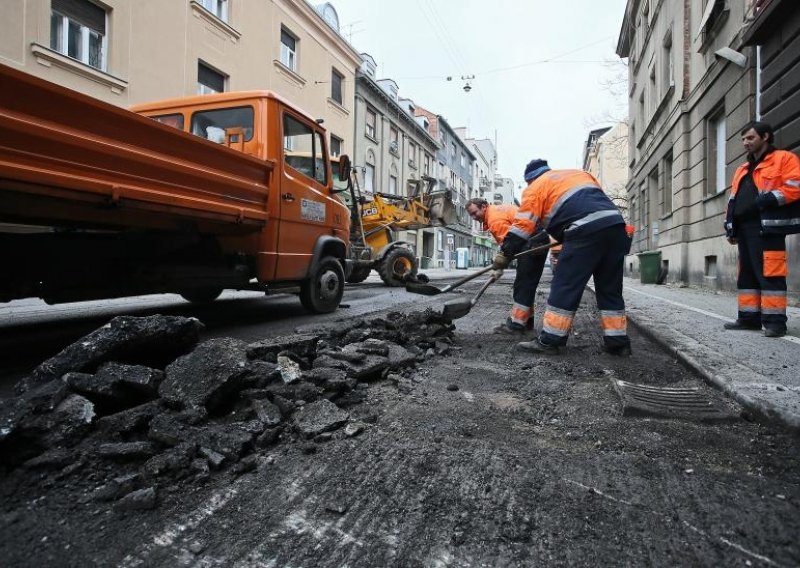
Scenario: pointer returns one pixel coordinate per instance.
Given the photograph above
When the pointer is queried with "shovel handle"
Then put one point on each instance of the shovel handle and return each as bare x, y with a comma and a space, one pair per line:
474, 275
489, 282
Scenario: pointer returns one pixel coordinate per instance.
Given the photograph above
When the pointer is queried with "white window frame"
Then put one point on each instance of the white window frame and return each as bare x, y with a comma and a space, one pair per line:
289, 55
371, 129
369, 178
62, 41
217, 7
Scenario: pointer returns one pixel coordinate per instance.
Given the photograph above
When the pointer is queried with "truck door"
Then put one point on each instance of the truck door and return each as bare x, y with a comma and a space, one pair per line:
305, 204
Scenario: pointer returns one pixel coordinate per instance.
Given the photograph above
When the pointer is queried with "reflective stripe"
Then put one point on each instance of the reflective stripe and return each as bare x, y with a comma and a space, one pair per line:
520, 314
520, 232
560, 311
773, 302
612, 313
779, 196
780, 222
793, 182
555, 324
614, 325
523, 215
564, 197
592, 217
749, 300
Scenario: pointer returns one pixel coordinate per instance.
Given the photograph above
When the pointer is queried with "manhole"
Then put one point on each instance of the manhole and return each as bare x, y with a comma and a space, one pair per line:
669, 402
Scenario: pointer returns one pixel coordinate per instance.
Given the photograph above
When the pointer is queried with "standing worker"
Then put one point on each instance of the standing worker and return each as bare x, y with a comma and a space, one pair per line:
574, 210
758, 219
497, 219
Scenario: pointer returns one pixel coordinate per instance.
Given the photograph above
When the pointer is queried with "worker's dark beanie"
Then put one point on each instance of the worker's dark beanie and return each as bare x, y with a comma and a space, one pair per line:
534, 169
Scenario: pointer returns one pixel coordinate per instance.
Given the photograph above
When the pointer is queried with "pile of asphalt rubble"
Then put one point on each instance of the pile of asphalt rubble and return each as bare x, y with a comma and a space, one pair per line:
141, 404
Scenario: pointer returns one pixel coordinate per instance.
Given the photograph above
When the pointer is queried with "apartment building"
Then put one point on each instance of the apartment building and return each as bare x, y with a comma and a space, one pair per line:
393, 151
605, 156
126, 52
455, 163
483, 174
692, 87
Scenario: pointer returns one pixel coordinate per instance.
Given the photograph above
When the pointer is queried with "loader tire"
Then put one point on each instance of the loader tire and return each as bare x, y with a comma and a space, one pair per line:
359, 275
398, 267
322, 292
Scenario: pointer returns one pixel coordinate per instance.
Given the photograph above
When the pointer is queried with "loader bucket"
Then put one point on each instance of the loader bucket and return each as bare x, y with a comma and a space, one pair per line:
442, 210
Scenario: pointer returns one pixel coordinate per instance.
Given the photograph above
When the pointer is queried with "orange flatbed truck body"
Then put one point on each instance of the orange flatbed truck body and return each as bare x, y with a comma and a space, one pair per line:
188, 195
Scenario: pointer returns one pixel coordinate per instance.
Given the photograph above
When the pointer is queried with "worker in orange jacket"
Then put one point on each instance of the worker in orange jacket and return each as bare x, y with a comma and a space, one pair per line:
574, 210
498, 219
763, 208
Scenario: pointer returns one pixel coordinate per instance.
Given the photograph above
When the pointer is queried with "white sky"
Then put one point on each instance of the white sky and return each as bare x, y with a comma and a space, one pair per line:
538, 110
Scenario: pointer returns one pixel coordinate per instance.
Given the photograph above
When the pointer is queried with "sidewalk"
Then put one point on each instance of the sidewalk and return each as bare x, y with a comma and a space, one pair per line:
761, 373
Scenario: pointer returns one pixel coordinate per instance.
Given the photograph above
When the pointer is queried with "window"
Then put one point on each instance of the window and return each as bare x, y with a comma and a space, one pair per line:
372, 119
667, 65
643, 205
412, 154
453, 150
427, 168
716, 137
393, 185
303, 149
336, 146
173, 120
336, 86
288, 50
217, 7
393, 140
78, 30
208, 80
463, 160
369, 178
217, 124
667, 204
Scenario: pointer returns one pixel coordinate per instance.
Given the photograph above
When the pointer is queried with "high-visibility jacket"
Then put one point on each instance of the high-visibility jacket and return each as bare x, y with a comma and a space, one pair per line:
777, 178
566, 203
498, 220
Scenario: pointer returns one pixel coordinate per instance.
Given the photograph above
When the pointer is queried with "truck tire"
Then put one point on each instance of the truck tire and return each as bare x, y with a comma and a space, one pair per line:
201, 295
397, 266
359, 275
322, 292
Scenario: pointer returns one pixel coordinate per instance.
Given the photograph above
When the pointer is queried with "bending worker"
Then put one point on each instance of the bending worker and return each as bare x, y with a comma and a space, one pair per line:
497, 219
763, 208
574, 210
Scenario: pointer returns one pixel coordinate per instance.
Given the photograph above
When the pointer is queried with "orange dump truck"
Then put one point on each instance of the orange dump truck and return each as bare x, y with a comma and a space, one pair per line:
190, 195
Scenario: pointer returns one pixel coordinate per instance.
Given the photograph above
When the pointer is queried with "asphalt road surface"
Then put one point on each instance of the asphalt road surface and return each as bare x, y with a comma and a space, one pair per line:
493, 457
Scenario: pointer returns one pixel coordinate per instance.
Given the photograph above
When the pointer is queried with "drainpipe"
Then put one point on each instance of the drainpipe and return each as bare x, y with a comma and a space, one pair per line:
758, 82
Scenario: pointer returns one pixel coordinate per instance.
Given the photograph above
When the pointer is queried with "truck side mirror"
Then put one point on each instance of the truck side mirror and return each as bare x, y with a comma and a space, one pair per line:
344, 167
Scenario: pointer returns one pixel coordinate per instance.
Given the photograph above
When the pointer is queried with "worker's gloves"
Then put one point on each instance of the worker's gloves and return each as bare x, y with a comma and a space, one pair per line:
497, 273
500, 261
766, 200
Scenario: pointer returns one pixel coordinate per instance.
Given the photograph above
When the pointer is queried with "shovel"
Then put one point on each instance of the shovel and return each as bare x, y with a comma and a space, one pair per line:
431, 290
455, 309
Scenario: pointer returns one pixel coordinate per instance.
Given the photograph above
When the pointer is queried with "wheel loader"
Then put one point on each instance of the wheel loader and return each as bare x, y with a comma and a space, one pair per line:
376, 218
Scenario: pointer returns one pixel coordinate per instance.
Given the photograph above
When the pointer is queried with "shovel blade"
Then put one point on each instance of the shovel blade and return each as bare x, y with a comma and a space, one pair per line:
424, 289
457, 308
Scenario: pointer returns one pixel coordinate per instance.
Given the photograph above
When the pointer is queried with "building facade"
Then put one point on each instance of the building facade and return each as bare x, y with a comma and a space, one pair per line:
455, 164
393, 152
483, 174
605, 156
692, 87
107, 50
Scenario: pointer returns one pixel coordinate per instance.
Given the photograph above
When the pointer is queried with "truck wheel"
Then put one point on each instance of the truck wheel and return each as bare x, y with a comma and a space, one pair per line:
322, 292
359, 275
397, 267
201, 295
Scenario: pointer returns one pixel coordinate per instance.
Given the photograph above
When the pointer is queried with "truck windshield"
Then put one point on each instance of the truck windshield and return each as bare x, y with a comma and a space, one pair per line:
213, 124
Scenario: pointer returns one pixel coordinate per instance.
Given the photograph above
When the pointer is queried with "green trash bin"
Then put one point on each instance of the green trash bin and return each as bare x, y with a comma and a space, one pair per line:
649, 266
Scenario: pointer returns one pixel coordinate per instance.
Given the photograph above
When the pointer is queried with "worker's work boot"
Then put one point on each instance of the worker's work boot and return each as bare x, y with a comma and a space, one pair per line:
774, 332
739, 325
537, 346
511, 328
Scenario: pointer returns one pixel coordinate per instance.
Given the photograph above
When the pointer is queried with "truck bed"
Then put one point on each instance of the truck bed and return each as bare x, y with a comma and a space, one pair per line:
68, 160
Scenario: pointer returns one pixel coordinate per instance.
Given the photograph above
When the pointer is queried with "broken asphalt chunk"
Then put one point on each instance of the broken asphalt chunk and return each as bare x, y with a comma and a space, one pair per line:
303, 345
318, 417
207, 376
